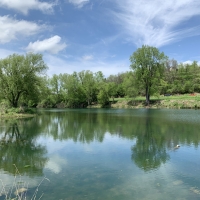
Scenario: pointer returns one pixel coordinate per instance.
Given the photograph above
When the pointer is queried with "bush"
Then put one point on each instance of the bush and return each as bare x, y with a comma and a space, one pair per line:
4, 106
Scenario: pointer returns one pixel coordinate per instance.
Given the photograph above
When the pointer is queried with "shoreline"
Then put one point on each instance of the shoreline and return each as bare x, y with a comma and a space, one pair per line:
126, 104
16, 116
136, 104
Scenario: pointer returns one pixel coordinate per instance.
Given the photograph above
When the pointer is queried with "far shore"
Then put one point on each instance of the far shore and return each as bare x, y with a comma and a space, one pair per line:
188, 101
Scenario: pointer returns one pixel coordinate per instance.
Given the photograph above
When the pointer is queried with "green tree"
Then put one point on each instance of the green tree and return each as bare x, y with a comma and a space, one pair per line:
118, 82
103, 94
129, 85
20, 76
87, 81
72, 90
55, 86
148, 65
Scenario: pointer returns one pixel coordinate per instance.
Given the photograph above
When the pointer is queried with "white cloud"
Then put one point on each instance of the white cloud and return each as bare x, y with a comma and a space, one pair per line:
155, 22
11, 28
26, 5
52, 45
190, 62
187, 62
87, 57
78, 3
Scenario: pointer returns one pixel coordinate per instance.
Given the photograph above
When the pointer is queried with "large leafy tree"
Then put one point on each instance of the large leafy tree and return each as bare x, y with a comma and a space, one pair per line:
148, 64
87, 81
72, 90
20, 76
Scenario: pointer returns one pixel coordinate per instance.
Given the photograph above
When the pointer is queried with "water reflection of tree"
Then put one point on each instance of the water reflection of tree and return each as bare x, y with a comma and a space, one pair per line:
85, 127
80, 127
18, 146
154, 132
150, 151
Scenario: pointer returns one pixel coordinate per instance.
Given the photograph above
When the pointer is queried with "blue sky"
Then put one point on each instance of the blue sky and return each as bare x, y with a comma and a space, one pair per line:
99, 35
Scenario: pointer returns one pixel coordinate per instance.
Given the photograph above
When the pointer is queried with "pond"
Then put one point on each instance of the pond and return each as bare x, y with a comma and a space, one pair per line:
110, 154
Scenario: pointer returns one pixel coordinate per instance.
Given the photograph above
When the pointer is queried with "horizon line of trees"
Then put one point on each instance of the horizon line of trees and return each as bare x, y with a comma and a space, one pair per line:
23, 81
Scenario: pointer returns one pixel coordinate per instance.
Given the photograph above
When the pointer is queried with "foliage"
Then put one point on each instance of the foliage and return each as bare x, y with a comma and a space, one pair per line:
4, 106
130, 85
117, 81
103, 94
148, 65
182, 79
19, 77
21, 83
72, 91
87, 80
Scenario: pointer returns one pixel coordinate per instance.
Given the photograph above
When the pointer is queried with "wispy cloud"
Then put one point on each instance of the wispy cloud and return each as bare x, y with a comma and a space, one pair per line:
87, 57
52, 45
156, 22
11, 28
78, 3
60, 65
25, 6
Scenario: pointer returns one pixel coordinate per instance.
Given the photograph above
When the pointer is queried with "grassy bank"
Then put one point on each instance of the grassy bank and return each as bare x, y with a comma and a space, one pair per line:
187, 101
17, 113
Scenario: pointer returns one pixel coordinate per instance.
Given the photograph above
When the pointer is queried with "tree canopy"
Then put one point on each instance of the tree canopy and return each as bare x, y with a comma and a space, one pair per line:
23, 81
20, 77
148, 65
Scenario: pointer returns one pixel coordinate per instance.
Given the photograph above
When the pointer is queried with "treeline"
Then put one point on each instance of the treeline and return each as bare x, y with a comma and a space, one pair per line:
23, 81
85, 88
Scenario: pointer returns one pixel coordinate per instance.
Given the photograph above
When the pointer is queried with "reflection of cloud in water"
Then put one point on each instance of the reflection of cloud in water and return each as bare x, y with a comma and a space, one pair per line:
51, 144
8, 180
88, 148
56, 163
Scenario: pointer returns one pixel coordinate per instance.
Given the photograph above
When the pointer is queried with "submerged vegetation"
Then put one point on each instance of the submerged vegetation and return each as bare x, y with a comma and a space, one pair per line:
158, 80
19, 188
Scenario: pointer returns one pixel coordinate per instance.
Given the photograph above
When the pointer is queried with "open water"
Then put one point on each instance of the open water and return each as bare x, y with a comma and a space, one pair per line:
105, 154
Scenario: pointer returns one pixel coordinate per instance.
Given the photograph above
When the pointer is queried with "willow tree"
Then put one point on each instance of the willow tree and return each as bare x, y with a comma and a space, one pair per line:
148, 64
20, 76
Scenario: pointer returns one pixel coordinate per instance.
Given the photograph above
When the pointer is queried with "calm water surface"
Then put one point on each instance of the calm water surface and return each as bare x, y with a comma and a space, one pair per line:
106, 154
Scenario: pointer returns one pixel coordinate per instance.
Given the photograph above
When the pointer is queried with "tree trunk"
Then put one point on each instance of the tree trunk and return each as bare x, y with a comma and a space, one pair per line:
16, 99
147, 97
14, 104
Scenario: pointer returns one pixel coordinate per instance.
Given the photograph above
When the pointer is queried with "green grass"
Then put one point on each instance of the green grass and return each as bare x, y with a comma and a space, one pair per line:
162, 97
174, 101
17, 113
